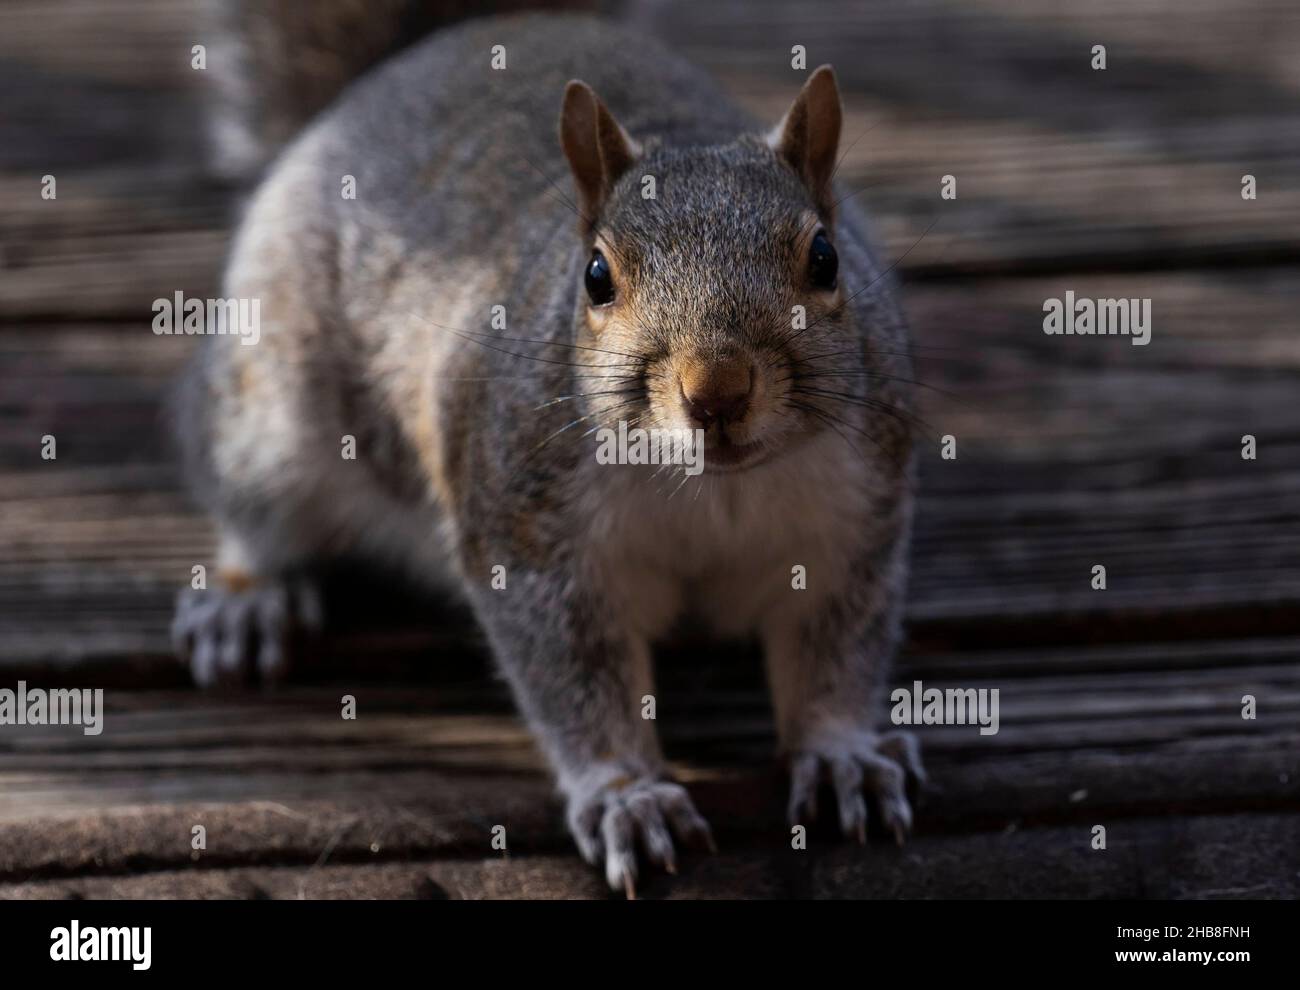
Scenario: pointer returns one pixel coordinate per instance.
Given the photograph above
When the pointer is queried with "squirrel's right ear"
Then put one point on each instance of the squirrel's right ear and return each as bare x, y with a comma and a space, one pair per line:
598, 149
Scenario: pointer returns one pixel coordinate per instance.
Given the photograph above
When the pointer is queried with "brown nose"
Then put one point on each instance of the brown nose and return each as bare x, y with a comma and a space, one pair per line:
717, 391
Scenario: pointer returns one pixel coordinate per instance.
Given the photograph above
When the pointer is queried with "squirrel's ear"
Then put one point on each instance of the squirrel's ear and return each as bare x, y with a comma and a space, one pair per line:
598, 149
809, 135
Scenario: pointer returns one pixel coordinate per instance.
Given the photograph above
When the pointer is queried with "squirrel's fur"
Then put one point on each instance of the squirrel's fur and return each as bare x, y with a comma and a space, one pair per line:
475, 444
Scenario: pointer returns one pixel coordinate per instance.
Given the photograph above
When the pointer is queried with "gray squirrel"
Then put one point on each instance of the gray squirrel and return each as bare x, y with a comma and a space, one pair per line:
522, 263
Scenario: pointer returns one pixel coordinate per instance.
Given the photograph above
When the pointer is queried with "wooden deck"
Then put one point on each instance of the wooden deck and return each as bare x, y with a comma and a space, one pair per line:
1119, 708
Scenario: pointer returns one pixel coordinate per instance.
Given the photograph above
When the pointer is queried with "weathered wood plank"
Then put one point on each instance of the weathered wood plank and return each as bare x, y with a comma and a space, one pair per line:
110, 244
1151, 858
1130, 743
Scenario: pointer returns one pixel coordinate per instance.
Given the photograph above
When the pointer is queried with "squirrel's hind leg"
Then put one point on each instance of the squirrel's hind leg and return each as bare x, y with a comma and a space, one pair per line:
258, 417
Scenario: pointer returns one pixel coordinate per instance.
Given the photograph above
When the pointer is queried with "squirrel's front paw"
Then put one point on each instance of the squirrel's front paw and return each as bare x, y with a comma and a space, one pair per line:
854, 762
614, 817
226, 632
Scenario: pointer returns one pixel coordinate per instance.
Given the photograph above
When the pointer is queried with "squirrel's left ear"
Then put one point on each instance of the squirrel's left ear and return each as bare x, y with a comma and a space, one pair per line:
598, 149
809, 135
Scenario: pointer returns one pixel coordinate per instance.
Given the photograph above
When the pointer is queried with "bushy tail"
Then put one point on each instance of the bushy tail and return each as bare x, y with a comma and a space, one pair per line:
274, 64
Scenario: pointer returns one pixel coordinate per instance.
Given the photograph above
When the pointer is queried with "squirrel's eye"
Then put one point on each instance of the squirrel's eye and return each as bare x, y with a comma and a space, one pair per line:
599, 281
823, 262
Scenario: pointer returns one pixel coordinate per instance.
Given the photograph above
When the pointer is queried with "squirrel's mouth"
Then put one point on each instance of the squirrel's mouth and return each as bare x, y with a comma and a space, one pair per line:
723, 454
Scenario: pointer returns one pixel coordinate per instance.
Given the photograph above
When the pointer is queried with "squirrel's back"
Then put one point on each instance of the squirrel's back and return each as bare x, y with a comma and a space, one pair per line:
458, 135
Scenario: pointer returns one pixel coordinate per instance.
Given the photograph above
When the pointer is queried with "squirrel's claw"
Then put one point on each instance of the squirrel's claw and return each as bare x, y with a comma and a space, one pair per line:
857, 764
228, 633
646, 813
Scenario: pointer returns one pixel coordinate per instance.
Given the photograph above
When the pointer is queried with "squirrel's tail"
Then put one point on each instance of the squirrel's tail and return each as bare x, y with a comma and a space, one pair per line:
274, 64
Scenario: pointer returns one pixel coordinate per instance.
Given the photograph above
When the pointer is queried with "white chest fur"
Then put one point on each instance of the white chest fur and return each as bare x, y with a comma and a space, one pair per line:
727, 547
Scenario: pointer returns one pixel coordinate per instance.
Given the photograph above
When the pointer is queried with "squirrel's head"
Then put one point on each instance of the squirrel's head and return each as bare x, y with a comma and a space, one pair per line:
711, 287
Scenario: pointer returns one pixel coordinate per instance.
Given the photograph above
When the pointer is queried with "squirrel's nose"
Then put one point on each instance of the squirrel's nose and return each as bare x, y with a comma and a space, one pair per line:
717, 391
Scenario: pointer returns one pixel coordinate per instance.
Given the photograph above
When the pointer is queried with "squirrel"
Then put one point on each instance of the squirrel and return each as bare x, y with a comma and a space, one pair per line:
523, 263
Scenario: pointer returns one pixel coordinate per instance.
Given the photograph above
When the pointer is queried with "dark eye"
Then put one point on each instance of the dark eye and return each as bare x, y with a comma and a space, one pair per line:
823, 262
599, 282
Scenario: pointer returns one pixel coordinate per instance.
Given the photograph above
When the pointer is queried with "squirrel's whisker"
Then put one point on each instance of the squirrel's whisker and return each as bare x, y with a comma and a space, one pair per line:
799, 374
587, 395
873, 376
562, 198
878, 405
829, 421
